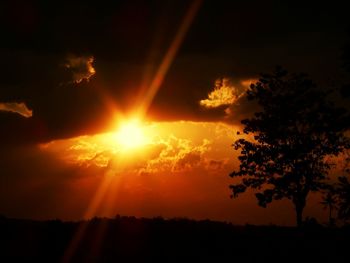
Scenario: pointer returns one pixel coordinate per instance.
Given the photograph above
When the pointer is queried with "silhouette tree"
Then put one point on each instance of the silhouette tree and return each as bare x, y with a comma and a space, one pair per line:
343, 191
296, 129
330, 201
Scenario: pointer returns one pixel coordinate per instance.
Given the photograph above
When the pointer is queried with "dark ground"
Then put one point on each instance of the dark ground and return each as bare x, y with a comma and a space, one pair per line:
129, 239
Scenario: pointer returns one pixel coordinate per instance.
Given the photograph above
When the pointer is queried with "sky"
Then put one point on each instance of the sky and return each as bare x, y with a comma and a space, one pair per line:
131, 107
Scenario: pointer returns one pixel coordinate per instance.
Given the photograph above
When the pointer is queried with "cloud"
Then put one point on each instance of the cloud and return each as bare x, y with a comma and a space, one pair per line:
229, 97
169, 150
215, 165
81, 67
224, 93
171, 154
189, 160
242, 108
33, 70
179, 155
15, 107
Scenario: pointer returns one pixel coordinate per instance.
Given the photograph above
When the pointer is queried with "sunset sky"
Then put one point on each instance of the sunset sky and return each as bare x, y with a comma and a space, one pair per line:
131, 107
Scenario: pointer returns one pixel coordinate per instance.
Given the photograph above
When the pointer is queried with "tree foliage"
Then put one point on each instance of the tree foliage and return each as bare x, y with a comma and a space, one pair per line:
343, 191
337, 197
294, 133
330, 201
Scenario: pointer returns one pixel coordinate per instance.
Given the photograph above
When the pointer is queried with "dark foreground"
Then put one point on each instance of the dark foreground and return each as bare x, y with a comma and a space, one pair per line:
127, 239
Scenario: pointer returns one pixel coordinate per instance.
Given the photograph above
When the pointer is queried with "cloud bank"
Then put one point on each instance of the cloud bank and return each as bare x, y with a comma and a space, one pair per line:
167, 150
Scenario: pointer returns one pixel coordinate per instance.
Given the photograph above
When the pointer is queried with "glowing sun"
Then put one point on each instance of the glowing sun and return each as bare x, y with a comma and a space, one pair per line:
131, 134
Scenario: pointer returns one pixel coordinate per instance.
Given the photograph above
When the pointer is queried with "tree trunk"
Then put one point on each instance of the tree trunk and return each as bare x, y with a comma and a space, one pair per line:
299, 204
299, 213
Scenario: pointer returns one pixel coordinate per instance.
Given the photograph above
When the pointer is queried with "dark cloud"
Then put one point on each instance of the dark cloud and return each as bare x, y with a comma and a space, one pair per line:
189, 160
81, 67
49, 51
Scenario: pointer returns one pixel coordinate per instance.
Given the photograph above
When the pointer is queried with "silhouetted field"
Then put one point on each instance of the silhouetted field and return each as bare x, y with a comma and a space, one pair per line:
128, 239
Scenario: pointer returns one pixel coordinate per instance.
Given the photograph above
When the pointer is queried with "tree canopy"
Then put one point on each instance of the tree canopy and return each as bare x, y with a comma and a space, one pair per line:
292, 135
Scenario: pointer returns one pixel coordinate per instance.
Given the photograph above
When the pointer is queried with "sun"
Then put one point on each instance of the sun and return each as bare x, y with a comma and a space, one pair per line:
131, 134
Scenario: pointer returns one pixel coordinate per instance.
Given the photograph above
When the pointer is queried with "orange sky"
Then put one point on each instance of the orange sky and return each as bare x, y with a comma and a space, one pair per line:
179, 170
163, 62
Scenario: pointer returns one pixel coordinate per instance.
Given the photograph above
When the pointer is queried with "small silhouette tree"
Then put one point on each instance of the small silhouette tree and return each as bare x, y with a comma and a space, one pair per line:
330, 201
292, 135
343, 192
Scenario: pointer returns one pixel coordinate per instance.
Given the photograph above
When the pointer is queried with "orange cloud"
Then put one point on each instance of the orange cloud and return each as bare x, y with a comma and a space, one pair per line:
81, 67
15, 107
178, 155
172, 154
168, 150
224, 93
215, 165
231, 96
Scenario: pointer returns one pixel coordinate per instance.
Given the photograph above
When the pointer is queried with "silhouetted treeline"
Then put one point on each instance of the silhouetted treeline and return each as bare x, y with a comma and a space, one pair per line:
129, 239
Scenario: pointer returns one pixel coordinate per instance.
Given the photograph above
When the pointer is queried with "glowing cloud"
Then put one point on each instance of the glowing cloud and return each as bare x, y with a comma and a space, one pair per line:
81, 67
230, 96
167, 149
224, 93
15, 107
